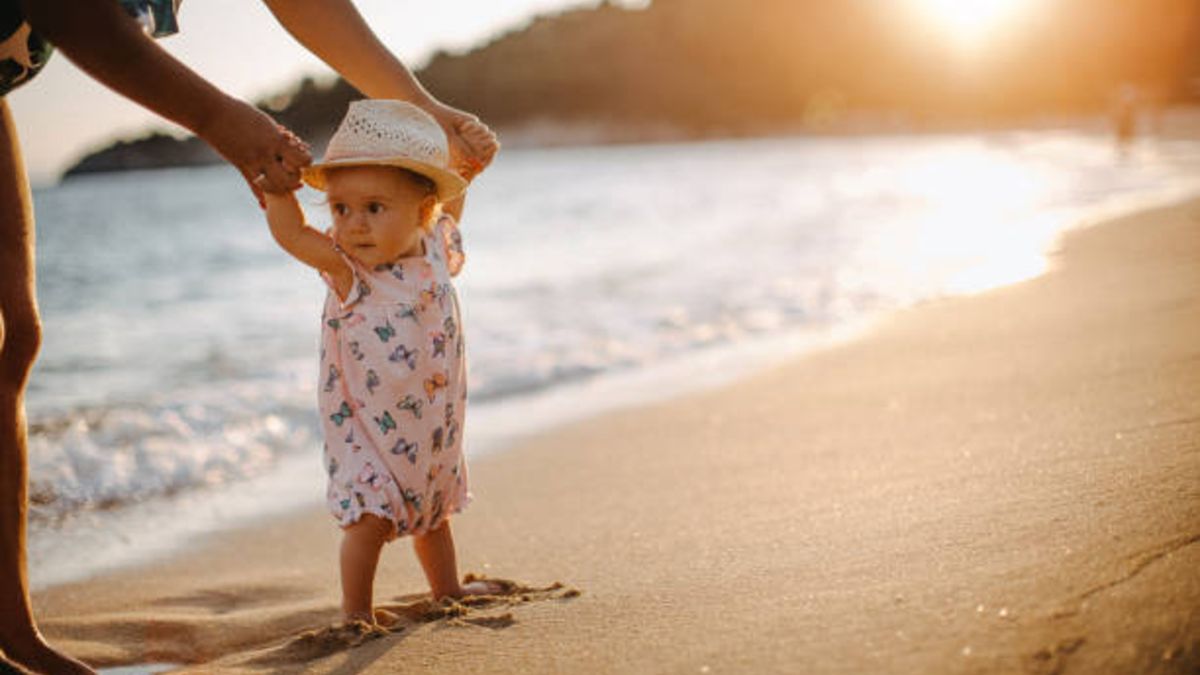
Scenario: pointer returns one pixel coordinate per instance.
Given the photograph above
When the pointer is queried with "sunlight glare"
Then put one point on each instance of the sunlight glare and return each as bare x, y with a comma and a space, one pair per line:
978, 249
968, 21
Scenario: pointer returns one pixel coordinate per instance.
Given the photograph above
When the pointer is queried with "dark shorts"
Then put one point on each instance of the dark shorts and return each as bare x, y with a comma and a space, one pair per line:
23, 52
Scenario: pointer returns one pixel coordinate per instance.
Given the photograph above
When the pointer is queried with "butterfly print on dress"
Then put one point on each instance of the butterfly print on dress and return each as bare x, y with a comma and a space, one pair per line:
402, 354
406, 465
385, 332
434, 384
386, 423
412, 404
342, 414
405, 449
438, 339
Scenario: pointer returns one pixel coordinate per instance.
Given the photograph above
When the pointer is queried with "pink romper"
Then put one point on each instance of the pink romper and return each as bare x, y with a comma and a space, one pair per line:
393, 389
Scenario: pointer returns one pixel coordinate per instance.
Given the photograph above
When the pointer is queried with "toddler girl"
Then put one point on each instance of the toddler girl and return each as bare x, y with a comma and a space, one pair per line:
392, 387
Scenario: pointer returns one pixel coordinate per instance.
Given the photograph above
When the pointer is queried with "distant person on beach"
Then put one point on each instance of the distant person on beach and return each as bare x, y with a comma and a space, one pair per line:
109, 40
392, 390
1125, 116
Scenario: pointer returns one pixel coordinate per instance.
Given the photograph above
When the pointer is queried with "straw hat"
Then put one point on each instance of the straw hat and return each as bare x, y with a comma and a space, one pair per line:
390, 133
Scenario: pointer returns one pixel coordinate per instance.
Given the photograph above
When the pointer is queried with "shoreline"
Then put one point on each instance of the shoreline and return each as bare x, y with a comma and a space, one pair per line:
991, 483
549, 410
210, 512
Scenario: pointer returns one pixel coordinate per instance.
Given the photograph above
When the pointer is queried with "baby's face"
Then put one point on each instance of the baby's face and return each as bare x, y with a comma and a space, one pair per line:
378, 213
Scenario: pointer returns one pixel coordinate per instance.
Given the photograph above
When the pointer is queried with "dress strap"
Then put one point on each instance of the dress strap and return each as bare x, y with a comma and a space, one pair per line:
449, 243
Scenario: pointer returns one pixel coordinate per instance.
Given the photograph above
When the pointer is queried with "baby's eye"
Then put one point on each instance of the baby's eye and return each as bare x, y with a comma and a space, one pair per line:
339, 209
374, 207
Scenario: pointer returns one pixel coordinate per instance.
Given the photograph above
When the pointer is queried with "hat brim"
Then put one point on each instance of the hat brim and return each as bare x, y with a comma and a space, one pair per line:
449, 184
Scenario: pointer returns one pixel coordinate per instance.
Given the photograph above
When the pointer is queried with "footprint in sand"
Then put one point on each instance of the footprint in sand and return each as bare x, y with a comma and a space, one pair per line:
416, 611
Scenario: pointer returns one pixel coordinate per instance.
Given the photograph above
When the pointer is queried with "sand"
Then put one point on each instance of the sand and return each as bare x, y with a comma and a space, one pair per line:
1002, 483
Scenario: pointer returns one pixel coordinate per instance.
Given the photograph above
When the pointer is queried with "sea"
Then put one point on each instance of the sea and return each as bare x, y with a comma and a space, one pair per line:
174, 397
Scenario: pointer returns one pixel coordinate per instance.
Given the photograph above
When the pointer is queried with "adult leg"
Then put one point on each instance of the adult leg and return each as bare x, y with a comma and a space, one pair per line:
20, 337
9, 668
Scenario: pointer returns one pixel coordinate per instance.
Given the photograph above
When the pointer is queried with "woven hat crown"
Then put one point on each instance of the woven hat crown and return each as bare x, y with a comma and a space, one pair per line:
388, 129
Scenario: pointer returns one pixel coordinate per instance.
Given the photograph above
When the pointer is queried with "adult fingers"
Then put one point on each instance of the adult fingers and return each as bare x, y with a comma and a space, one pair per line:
292, 152
485, 142
478, 134
461, 150
473, 131
293, 138
482, 140
275, 176
464, 159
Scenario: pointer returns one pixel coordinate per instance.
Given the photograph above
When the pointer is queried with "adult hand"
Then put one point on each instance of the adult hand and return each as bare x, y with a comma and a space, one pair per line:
268, 156
483, 141
473, 145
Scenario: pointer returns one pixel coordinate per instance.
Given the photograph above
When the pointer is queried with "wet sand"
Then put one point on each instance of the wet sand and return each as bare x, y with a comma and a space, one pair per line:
1002, 483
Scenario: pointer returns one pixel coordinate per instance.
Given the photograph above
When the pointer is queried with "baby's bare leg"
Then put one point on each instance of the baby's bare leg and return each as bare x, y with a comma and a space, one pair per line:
361, 543
435, 550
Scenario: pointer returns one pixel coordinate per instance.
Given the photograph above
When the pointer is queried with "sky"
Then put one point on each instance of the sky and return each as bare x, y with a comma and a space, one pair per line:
238, 46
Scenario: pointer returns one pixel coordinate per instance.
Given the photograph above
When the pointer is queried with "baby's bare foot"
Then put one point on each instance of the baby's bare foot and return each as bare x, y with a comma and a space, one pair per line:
351, 618
385, 618
471, 586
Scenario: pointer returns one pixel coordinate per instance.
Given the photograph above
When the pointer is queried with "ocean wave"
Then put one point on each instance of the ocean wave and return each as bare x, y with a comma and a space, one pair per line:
108, 457
166, 373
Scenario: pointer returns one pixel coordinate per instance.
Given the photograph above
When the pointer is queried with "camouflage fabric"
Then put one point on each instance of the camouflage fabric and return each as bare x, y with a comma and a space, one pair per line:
23, 52
158, 17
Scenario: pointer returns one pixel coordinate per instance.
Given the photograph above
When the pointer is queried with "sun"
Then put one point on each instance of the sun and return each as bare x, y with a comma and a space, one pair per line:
969, 21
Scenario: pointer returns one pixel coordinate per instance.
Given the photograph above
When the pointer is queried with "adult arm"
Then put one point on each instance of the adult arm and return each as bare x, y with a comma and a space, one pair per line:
335, 32
99, 37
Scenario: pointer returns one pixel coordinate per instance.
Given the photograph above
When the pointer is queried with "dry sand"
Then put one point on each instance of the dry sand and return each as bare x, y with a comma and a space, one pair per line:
996, 484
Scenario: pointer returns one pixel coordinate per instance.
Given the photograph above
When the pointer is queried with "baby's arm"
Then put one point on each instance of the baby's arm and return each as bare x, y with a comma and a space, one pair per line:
306, 244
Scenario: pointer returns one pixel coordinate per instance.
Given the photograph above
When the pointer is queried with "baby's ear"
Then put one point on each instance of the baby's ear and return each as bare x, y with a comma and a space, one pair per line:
428, 210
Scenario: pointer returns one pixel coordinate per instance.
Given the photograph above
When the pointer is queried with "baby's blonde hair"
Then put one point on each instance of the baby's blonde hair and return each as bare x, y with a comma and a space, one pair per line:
429, 188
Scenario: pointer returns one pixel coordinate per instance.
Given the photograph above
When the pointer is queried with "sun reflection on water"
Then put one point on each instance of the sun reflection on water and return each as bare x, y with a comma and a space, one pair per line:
972, 201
